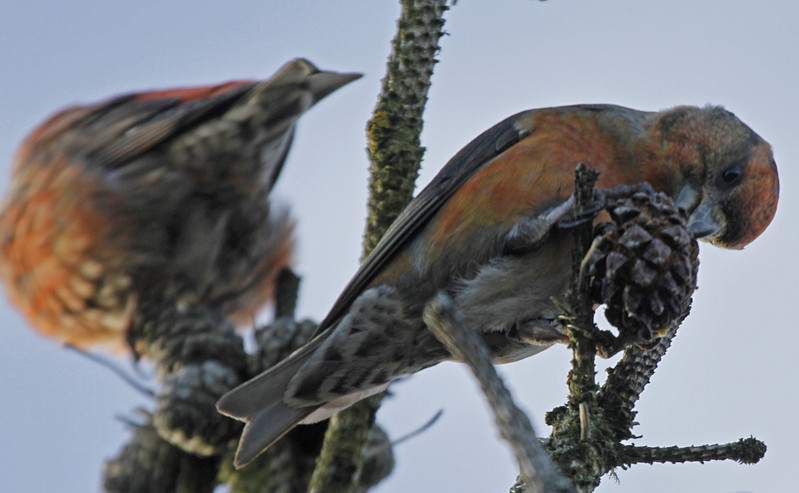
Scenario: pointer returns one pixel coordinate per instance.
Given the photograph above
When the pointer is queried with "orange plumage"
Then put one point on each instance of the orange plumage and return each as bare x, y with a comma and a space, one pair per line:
484, 232
159, 196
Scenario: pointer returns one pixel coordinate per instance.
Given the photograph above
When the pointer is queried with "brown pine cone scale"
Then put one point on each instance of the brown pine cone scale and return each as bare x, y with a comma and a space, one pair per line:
643, 266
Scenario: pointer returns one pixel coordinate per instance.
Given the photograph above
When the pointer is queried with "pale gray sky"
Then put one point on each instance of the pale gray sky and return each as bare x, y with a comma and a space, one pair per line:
730, 373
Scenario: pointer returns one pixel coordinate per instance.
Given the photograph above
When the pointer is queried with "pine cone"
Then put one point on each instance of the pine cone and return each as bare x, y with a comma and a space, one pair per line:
643, 266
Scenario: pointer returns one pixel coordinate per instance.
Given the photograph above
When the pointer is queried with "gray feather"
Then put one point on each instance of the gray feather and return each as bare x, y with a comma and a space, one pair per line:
259, 403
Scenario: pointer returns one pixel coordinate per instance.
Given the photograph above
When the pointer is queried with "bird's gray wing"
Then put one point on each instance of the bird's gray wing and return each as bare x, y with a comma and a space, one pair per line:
128, 126
260, 401
424, 206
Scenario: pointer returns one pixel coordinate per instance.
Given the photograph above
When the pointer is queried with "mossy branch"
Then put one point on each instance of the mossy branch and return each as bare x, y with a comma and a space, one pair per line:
396, 154
745, 451
394, 148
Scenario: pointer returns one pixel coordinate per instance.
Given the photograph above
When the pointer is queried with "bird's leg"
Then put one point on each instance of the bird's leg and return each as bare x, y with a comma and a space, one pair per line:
621, 191
602, 199
607, 344
542, 332
529, 233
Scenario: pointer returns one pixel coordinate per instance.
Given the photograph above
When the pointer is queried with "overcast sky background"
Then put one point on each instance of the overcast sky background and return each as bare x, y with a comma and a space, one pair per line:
731, 372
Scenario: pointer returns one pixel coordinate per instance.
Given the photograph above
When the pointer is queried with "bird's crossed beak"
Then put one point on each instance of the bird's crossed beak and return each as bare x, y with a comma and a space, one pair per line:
701, 222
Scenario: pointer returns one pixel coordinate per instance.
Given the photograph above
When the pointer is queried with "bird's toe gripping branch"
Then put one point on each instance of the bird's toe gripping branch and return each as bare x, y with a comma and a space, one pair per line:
642, 265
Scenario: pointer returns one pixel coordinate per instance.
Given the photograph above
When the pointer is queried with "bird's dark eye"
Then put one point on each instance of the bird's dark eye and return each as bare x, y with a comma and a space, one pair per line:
731, 175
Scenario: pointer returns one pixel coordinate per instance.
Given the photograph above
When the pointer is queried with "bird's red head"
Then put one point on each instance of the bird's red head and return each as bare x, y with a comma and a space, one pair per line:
731, 182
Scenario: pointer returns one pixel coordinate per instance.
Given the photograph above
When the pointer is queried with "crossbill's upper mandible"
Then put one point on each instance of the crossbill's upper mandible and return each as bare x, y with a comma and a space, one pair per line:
158, 194
482, 231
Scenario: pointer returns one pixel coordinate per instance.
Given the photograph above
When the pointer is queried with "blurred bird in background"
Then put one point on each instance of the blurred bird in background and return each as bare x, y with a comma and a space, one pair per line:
485, 232
160, 195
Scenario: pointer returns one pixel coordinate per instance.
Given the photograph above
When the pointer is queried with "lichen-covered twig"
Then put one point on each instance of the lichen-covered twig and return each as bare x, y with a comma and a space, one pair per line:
394, 130
625, 383
396, 154
745, 451
581, 377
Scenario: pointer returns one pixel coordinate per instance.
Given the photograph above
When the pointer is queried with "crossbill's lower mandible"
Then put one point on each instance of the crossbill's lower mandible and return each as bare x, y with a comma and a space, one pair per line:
483, 232
159, 194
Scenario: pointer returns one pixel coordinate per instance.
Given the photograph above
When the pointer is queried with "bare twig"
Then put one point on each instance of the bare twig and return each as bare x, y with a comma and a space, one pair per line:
537, 470
418, 431
111, 365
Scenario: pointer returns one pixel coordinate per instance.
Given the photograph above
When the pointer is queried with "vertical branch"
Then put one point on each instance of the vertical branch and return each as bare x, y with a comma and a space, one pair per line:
577, 437
394, 146
395, 153
581, 378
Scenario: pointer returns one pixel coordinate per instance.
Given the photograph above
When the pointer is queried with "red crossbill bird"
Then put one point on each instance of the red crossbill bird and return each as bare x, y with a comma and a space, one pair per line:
485, 232
154, 195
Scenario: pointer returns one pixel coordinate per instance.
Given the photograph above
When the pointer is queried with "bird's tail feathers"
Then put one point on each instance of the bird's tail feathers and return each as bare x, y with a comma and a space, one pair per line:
259, 403
265, 428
